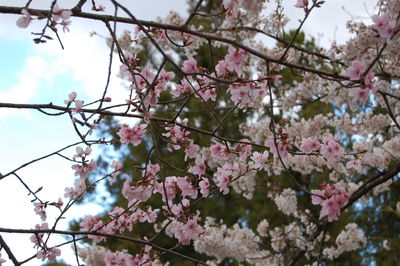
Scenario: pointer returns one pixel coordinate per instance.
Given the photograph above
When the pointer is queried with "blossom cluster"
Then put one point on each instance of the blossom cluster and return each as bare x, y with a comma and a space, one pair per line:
331, 199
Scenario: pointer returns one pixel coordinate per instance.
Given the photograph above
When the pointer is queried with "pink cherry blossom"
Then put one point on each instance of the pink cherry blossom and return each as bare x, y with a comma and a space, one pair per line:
71, 98
150, 174
117, 165
234, 59
40, 209
309, 145
59, 203
199, 168
91, 223
192, 150
301, 3
189, 231
84, 168
359, 95
132, 135
384, 25
331, 149
190, 65
65, 24
60, 14
221, 68
243, 150
139, 193
331, 199
210, 94
37, 239
260, 159
282, 147
223, 177
78, 106
355, 71
204, 185
232, 7
23, 22
240, 95
79, 188
80, 152
219, 152
181, 88
355, 164
49, 253
176, 209
186, 187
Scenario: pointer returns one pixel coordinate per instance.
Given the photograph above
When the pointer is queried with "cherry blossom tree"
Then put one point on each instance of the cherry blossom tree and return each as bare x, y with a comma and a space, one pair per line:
314, 132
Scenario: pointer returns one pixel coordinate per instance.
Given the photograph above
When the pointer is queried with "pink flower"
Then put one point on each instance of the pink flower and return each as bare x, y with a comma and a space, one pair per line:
384, 25
91, 223
139, 193
204, 184
151, 172
190, 65
84, 168
78, 106
232, 7
282, 147
79, 188
369, 82
301, 3
81, 152
177, 210
355, 164
221, 68
331, 199
186, 187
192, 150
117, 165
59, 203
260, 159
65, 24
132, 135
309, 145
234, 59
199, 168
40, 209
49, 253
210, 94
331, 149
359, 95
37, 239
71, 98
355, 71
219, 152
60, 14
223, 178
240, 95
243, 150
24, 21
189, 231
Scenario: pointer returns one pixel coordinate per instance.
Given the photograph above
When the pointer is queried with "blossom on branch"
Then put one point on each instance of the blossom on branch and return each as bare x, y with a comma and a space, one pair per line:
23, 22
331, 199
132, 135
